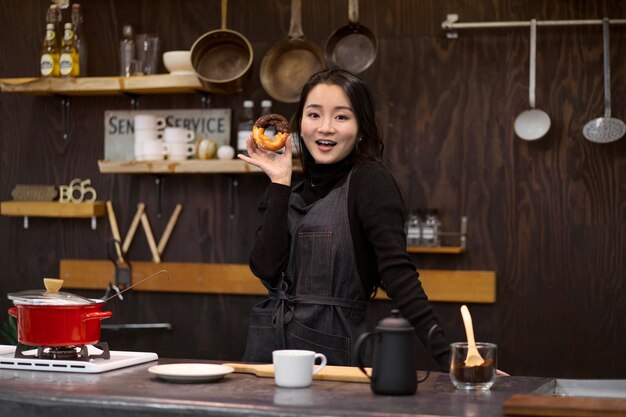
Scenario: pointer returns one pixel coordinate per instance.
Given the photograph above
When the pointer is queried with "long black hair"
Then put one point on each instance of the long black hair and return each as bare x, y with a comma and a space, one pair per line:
369, 145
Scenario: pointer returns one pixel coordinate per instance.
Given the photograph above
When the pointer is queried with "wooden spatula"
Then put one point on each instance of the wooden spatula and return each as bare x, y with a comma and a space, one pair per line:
329, 373
473, 356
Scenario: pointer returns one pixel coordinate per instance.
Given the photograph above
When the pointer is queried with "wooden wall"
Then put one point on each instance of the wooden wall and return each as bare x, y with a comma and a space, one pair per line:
548, 216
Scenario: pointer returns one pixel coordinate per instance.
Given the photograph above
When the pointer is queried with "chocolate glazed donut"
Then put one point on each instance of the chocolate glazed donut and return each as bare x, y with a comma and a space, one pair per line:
280, 123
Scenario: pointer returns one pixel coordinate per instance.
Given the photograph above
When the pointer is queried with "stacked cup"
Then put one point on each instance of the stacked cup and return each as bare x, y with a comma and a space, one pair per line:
149, 145
177, 143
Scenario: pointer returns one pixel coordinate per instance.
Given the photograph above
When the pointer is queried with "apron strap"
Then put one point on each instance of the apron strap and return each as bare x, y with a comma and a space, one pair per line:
286, 305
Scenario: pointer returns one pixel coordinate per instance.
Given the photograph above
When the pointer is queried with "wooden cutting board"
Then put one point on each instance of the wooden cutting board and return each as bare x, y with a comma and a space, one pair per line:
543, 405
329, 373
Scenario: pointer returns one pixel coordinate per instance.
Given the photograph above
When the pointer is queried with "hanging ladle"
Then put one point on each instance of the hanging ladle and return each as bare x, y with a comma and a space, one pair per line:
532, 124
605, 129
473, 356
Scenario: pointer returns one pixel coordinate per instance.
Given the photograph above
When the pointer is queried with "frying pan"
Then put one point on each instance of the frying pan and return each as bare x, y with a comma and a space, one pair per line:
222, 58
289, 64
352, 47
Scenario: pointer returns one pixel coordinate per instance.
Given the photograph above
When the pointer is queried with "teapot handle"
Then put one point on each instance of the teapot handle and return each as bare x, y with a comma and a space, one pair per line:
358, 351
432, 330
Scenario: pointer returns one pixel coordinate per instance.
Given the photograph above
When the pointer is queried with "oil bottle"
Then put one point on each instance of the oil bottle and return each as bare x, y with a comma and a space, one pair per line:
69, 61
49, 62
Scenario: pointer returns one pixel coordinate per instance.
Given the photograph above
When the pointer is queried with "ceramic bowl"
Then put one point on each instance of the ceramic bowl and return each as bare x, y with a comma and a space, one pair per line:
178, 62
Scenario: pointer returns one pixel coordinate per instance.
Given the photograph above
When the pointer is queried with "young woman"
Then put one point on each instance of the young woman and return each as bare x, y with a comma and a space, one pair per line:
328, 243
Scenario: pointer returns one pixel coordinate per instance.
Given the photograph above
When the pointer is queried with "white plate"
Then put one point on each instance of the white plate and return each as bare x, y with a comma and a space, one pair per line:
190, 372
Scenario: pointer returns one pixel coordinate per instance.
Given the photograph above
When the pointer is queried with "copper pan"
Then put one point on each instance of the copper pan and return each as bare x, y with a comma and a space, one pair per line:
289, 64
222, 59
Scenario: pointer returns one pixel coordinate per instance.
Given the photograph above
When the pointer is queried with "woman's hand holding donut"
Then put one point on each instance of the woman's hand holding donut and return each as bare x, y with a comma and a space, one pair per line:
277, 166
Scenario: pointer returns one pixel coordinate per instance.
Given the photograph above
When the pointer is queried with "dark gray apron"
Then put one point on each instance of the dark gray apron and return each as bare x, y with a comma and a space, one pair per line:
320, 302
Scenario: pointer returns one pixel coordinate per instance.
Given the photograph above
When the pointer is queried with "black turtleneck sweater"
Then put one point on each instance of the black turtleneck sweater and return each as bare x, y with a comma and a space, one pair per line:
376, 216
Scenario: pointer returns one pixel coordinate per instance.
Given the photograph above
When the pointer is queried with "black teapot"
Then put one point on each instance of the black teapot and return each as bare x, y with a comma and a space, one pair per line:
394, 369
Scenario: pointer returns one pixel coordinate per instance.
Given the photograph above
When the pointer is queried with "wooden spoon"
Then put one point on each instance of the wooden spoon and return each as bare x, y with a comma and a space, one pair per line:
53, 285
473, 356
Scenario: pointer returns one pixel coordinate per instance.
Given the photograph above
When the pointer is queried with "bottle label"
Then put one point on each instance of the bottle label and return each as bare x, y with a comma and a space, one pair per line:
46, 65
66, 64
50, 35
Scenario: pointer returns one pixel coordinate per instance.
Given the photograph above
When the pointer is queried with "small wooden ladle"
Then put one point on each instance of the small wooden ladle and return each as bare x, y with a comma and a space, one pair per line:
53, 285
473, 356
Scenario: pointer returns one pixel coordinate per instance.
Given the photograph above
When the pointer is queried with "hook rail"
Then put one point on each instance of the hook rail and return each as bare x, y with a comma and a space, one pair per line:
451, 24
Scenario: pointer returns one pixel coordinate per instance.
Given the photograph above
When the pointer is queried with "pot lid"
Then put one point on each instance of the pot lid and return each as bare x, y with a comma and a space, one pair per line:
43, 297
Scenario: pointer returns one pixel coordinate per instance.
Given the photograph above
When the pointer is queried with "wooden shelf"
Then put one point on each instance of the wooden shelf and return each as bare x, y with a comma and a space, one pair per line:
52, 209
436, 249
211, 278
82, 86
190, 166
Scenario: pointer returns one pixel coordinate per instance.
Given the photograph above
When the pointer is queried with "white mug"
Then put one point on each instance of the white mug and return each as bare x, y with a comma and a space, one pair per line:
148, 122
154, 150
178, 134
148, 134
294, 368
179, 151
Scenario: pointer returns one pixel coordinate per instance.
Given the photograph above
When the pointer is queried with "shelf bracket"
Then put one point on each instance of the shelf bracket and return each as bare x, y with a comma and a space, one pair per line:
205, 100
25, 222
94, 223
134, 101
158, 181
232, 195
65, 116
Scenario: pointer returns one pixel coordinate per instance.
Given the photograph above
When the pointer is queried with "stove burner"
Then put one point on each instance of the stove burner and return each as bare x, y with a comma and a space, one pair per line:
79, 353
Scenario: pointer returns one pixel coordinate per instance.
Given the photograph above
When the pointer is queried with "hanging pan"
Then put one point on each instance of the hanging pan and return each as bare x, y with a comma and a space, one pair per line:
605, 129
352, 47
222, 59
532, 124
288, 65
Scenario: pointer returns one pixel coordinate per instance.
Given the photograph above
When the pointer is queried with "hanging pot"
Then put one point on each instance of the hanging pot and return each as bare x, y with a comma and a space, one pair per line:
288, 65
352, 47
222, 59
605, 129
56, 319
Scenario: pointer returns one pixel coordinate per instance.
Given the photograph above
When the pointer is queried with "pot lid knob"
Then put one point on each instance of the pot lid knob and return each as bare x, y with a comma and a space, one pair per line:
53, 285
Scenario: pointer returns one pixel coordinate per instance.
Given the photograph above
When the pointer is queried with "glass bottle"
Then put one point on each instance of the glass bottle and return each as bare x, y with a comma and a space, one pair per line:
68, 62
79, 38
414, 228
244, 127
266, 107
127, 50
430, 228
49, 62
55, 16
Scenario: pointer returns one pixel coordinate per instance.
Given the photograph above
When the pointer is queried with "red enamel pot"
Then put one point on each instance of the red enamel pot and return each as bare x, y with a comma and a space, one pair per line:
57, 319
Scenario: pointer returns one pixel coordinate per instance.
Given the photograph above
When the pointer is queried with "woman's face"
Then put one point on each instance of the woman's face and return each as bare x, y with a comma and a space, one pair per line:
329, 127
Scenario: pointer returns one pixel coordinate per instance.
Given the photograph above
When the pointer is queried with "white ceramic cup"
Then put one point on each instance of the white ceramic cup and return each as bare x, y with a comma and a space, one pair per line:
177, 151
295, 368
148, 122
148, 134
178, 135
154, 150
